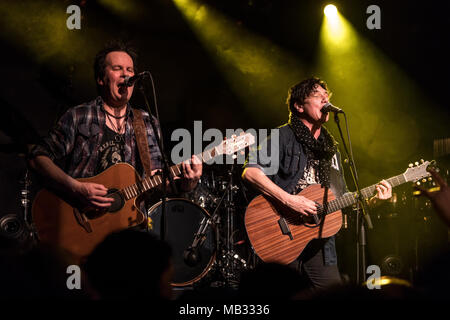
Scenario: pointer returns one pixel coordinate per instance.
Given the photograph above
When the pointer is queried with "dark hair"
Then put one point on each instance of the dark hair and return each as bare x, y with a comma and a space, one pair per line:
299, 92
110, 46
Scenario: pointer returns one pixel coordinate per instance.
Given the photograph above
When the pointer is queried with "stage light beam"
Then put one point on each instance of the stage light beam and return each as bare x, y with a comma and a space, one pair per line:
331, 12
336, 28
375, 91
257, 70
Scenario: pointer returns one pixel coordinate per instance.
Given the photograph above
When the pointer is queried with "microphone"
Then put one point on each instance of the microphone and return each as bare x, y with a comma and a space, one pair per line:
129, 81
329, 107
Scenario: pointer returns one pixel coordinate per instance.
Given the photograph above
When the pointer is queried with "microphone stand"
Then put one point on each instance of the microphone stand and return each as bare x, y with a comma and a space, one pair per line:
225, 249
165, 172
360, 206
192, 255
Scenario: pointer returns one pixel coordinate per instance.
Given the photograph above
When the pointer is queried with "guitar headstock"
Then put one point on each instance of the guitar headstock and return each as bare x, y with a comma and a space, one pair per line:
418, 170
236, 143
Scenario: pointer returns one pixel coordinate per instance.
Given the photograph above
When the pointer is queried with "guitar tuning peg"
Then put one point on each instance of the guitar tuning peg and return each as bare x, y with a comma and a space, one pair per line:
410, 165
418, 183
430, 179
424, 180
416, 163
422, 161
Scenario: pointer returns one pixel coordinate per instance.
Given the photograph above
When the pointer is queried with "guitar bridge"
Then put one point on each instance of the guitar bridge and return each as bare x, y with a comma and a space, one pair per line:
285, 228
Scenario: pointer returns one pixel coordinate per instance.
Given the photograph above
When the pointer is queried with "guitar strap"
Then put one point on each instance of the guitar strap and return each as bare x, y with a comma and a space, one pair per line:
140, 133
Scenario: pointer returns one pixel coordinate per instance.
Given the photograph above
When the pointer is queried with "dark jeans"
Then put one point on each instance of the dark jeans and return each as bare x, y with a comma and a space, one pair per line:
311, 266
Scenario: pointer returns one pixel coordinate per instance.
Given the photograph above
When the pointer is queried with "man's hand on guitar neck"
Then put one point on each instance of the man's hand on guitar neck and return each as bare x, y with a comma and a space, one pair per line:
192, 171
384, 192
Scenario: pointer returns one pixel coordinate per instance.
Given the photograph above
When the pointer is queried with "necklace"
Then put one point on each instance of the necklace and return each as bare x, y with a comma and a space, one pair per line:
119, 137
117, 128
115, 117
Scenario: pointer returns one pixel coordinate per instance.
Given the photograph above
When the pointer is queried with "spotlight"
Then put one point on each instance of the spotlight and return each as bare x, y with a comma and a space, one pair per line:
330, 11
334, 24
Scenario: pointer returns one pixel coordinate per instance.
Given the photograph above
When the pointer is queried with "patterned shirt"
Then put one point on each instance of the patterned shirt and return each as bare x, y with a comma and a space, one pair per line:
111, 150
310, 176
74, 141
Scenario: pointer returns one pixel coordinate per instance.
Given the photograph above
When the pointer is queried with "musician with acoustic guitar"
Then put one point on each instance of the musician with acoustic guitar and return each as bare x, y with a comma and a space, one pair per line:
91, 140
308, 158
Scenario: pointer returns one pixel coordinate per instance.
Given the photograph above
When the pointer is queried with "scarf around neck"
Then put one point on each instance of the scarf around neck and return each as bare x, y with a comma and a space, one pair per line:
323, 148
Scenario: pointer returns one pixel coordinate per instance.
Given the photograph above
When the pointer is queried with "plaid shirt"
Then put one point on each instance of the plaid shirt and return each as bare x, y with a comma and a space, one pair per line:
73, 142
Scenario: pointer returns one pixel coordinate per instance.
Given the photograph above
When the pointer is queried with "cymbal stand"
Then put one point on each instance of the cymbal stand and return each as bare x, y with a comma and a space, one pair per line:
229, 262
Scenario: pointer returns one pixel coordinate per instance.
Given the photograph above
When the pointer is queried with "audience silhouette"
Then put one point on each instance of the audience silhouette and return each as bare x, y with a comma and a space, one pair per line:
38, 272
131, 264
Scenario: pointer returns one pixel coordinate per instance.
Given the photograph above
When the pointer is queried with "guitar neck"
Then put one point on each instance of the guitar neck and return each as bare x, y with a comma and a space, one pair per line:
351, 198
151, 182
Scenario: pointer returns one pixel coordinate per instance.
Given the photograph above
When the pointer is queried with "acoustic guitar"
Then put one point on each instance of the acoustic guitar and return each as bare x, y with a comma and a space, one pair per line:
278, 234
61, 222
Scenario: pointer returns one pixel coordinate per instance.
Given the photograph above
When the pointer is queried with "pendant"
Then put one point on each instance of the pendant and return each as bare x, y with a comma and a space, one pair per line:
118, 138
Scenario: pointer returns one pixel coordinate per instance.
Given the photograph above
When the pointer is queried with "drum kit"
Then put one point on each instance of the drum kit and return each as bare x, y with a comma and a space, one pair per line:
205, 231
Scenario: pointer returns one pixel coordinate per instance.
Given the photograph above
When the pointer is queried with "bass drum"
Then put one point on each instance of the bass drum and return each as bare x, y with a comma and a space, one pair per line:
183, 219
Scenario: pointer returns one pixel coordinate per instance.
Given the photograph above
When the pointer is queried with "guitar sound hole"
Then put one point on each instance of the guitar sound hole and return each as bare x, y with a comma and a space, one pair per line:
315, 220
119, 201
311, 221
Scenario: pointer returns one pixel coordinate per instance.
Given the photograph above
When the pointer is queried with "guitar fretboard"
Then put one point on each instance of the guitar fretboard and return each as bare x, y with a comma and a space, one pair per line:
148, 183
351, 198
